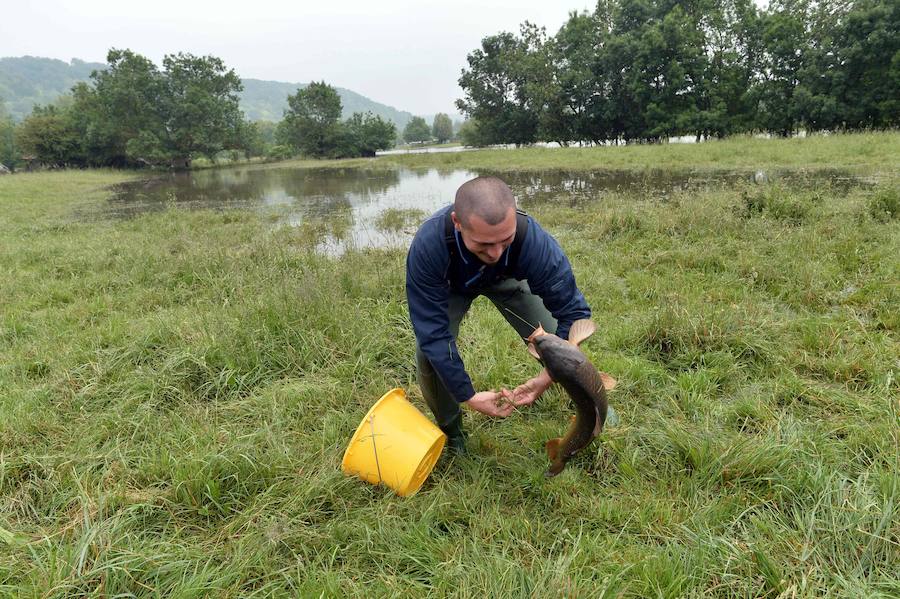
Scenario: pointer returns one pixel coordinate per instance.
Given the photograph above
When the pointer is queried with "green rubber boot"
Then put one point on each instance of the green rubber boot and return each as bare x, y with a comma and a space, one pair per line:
456, 438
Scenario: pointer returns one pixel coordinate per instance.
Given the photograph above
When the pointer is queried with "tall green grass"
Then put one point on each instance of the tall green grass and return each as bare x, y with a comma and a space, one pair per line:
177, 389
842, 152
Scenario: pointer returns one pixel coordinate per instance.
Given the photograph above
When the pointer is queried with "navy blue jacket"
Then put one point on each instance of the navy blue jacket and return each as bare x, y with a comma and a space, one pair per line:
431, 274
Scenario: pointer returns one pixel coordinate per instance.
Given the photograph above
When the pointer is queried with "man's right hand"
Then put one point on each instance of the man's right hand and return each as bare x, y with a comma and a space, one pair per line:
492, 403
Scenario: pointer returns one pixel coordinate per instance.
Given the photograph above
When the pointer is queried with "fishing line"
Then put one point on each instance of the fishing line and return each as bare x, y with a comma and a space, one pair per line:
519, 317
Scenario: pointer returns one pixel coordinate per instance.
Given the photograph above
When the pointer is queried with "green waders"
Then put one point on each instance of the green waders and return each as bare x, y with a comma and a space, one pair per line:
521, 308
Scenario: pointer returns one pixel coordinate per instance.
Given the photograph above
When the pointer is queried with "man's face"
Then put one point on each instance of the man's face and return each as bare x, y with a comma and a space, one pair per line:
487, 242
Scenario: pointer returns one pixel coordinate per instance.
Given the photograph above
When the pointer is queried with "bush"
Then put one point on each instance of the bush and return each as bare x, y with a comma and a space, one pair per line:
884, 205
778, 203
280, 152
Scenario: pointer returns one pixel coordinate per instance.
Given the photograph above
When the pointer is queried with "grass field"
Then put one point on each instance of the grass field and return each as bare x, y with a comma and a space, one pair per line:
860, 152
177, 390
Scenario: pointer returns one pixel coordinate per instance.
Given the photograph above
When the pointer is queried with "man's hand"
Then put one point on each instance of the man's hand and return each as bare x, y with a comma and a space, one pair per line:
492, 403
526, 393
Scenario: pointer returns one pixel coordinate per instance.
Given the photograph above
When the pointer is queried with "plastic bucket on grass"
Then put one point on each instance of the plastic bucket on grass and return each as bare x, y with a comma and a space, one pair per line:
395, 444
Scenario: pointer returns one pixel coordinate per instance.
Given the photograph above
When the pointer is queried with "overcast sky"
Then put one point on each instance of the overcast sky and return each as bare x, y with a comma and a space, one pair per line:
404, 53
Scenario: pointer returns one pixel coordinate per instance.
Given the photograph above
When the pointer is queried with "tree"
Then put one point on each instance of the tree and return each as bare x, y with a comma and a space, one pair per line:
137, 114
442, 129
126, 100
364, 134
266, 131
733, 45
48, 135
576, 111
785, 44
197, 112
202, 108
312, 120
851, 76
9, 153
470, 134
417, 130
648, 70
496, 88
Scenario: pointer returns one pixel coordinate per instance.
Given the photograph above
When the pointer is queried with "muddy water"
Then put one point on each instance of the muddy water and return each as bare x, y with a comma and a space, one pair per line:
379, 208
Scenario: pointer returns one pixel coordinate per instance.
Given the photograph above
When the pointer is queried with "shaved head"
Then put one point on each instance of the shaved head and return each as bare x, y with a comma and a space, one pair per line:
489, 198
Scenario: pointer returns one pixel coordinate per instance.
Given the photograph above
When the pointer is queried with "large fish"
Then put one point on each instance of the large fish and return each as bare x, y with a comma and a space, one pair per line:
587, 387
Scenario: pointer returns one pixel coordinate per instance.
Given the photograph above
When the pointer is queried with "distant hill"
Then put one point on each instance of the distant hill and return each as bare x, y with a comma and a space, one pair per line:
29, 80
266, 100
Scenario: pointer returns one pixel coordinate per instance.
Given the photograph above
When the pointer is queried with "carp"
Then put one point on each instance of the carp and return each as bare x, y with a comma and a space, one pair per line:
586, 386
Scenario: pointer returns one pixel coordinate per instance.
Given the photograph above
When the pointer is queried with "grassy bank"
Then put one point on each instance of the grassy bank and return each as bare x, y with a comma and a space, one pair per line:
858, 152
178, 389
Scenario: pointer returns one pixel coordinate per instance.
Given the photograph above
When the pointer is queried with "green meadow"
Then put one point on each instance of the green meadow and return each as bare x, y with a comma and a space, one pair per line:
861, 152
177, 390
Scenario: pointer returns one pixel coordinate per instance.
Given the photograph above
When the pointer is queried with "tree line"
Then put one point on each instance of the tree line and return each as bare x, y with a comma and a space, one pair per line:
134, 114
649, 70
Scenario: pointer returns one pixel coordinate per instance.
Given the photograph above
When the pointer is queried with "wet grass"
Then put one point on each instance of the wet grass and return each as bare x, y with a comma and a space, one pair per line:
858, 152
178, 389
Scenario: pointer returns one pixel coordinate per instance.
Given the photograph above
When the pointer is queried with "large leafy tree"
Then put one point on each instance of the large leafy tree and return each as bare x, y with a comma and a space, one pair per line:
578, 113
417, 130
442, 128
733, 44
470, 134
126, 101
364, 134
48, 135
136, 113
497, 91
851, 77
785, 44
648, 70
312, 120
197, 111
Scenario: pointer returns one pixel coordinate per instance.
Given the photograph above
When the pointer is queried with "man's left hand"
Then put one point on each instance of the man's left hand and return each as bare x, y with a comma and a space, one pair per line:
526, 393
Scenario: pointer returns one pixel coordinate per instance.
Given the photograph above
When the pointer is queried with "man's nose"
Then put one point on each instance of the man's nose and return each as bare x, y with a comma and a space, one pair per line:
495, 251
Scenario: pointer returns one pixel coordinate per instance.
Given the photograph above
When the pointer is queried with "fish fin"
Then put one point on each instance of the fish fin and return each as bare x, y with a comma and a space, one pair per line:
609, 383
552, 447
581, 330
598, 425
537, 333
555, 468
533, 351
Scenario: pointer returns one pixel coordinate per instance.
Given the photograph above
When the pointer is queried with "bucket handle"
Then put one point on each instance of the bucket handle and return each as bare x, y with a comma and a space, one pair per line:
375, 448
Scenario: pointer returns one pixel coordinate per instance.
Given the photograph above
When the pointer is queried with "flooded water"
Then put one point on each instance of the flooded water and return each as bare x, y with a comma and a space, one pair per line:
359, 208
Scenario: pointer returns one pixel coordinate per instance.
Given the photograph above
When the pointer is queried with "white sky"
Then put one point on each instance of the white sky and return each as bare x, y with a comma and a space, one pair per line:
403, 53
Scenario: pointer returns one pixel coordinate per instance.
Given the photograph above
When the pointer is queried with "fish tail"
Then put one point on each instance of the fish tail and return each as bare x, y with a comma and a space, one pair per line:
555, 468
552, 447
600, 408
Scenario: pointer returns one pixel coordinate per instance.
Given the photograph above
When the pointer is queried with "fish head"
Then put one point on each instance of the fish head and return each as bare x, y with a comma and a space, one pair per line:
558, 356
531, 341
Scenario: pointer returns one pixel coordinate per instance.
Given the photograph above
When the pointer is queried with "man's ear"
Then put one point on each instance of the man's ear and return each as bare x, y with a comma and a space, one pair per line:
455, 220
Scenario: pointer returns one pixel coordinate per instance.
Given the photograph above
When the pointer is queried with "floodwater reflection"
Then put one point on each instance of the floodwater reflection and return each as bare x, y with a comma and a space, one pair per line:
364, 207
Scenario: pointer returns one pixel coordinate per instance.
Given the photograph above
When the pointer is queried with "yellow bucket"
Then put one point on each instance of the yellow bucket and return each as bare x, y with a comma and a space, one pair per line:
395, 444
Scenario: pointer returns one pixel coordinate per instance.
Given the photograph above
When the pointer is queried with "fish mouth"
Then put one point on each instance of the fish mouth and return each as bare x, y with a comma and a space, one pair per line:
530, 341
539, 331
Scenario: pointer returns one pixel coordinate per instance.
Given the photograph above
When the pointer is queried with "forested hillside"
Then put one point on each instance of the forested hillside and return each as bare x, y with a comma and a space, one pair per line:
266, 101
29, 80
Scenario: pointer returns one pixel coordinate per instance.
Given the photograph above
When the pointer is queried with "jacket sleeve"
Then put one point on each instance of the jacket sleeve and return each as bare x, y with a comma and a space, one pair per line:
546, 267
428, 297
